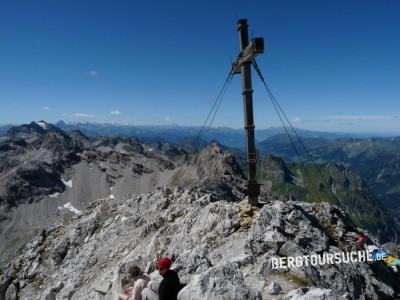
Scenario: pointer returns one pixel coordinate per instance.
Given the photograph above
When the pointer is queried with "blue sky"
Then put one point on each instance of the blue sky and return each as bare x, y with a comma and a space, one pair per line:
333, 65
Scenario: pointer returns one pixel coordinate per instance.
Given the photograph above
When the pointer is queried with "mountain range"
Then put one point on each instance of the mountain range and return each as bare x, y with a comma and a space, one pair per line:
80, 208
45, 172
174, 133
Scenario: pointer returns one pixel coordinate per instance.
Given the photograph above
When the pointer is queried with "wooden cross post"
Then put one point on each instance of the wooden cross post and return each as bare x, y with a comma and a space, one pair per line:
243, 65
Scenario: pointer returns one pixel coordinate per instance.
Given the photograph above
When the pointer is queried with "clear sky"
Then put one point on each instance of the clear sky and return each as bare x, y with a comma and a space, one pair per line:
333, 65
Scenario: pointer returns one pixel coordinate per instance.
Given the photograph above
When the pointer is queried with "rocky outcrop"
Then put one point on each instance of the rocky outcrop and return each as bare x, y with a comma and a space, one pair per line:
216, 255
212, 169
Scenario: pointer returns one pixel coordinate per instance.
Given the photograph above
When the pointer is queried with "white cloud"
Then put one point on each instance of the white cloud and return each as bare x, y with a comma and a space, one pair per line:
348, 118
93, 73
83, 115
116, 112
360, 117
296, 120
167, 118
46, 108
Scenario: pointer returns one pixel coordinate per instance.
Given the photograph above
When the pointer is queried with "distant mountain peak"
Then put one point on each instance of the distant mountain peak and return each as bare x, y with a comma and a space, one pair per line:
33, 130
43, 124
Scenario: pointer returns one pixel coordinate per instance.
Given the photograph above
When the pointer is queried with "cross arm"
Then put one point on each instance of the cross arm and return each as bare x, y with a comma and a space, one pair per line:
247, 54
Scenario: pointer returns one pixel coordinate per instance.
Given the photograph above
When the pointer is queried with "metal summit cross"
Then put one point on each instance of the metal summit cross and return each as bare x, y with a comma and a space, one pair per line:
243, 65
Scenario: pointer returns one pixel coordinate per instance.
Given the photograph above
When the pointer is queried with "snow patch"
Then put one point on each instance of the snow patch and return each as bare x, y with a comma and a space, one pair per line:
42, 124
111, 196
55, 195
67, 183
119, 217
69, 206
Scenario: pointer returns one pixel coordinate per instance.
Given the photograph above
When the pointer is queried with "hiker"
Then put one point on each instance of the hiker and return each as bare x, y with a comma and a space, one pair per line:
363, 241
151, 291
389, 260
170, 285
133, 289
392, 262
377, 254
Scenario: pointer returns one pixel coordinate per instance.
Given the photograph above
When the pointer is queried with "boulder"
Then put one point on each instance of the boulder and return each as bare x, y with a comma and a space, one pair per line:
11, 293
221, 282
101, 286
274, 288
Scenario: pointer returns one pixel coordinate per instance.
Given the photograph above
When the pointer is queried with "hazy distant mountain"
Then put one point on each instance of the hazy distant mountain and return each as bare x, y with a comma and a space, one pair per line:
173, 133
4, 128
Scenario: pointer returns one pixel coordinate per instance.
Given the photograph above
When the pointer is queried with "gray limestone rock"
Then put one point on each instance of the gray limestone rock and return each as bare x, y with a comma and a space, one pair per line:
220, 282
274, 288
60, 251
102, 286
11, 293
51, 296
312, 294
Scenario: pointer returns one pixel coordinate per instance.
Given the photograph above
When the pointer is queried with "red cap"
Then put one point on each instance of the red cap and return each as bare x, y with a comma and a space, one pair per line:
361, 237
164, 263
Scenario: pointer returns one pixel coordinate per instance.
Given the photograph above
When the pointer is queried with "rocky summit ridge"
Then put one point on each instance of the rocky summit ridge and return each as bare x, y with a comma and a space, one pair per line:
221, 249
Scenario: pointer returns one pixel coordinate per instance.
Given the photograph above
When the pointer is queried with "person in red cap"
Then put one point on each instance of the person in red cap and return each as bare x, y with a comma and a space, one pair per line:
361, 239
170, 285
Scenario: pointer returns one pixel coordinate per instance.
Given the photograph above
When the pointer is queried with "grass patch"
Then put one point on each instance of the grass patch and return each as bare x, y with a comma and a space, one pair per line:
102, 217
181, 178
38, 282
295, 279
394, 190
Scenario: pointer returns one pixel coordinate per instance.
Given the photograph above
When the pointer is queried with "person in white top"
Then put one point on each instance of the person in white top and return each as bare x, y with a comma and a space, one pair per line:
151, 291
133, 290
